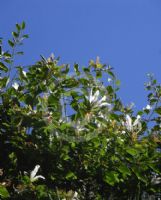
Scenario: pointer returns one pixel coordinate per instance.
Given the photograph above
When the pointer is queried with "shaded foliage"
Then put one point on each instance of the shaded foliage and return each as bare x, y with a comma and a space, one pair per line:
71, 122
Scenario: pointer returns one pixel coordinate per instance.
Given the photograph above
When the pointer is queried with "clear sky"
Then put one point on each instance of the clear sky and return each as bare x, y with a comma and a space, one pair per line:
124, 33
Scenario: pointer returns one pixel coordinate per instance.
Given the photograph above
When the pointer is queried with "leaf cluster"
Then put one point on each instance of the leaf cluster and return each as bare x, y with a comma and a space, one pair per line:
71, 122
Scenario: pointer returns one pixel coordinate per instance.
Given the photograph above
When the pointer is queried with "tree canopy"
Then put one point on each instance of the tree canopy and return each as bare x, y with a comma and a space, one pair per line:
65, 134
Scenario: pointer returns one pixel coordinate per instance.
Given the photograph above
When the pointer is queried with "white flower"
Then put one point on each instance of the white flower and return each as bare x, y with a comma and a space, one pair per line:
75, 195
123, 132
130, 126
103, 115
103, 123
44, 82
33, 173
137, 120
79, 126
155, 179
52, 135
128, 123
107, 139
94, 99
15, 85
102, 102
109, 80
24, 73
148, 107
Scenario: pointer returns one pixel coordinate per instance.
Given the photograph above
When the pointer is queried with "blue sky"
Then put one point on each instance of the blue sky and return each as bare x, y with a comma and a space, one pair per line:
124, 33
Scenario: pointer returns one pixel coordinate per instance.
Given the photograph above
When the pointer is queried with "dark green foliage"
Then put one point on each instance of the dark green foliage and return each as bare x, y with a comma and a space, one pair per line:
69, 125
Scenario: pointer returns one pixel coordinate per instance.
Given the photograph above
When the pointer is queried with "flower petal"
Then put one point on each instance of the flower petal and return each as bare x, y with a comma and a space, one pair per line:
15, 85
37, 177
95, 96
137, 120
128, 123
34, 171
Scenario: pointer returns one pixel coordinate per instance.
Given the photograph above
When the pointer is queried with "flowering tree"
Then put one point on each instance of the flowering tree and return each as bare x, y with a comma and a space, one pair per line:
69, 125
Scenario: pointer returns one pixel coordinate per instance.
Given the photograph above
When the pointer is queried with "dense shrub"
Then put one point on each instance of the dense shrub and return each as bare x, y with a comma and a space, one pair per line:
65, 134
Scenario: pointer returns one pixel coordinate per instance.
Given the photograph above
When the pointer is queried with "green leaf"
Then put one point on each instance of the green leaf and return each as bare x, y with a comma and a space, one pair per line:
20, 53
118, 82
99, 66
140, 112
158, 110
70, 175
18, 27
103, 120
139, 174
110, 89
1, 40
111, 74
3, 82
15, 34
65, 126
25, 36
132, 151
124, 170
3, 67
11, 43
114, 116
65, 157
154, 168
98, 74
23, 25
4, 192
42, 192
6, 54
111, 178
76, 68
86, 70
13, 158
